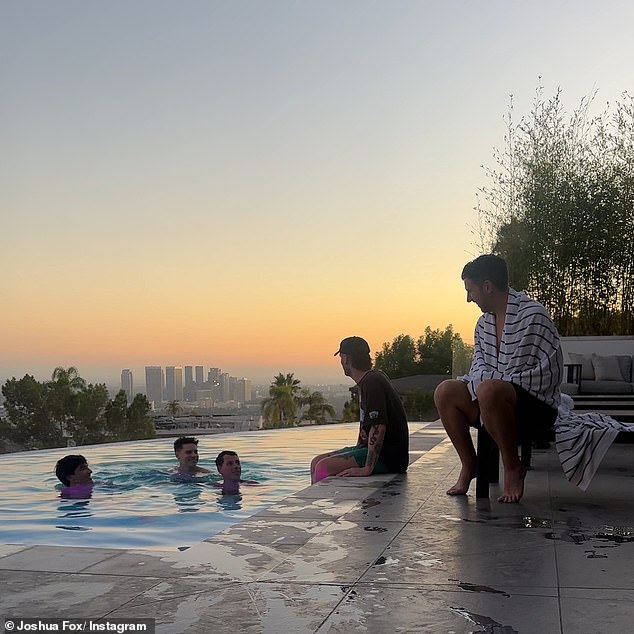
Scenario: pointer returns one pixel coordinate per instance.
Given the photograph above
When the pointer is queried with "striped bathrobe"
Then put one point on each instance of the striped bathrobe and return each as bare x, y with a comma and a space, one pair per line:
582, 440
530, 356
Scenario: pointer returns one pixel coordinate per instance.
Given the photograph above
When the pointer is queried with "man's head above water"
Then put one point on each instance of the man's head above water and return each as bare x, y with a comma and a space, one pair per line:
73, 470
228, 464
186, 452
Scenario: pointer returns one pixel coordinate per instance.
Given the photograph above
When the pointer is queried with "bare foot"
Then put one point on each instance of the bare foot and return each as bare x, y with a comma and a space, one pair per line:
464, 481
513, 485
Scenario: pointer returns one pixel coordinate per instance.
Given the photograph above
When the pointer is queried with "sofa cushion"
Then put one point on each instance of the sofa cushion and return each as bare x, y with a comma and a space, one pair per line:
625, 361
607, 368
587, 370
606, 387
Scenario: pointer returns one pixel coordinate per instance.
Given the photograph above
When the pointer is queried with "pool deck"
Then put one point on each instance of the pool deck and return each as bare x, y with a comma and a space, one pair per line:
380, 554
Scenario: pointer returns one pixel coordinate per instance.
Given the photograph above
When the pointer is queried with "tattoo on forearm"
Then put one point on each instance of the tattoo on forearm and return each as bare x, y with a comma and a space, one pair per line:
374, 447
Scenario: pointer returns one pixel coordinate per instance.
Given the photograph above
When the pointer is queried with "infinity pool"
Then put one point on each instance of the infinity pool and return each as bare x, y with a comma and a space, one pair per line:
136, 504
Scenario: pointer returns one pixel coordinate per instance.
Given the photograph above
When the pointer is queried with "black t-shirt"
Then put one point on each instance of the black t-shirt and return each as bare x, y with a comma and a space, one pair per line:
380, 405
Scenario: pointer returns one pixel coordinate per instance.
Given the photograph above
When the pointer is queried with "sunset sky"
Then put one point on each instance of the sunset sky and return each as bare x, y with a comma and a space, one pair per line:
241, 184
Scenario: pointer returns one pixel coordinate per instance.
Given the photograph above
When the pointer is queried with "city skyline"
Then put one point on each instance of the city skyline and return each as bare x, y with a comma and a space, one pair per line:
113, 378
252, 182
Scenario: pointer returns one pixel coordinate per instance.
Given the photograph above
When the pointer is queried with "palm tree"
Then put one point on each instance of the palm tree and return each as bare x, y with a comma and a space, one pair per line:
69, 377
289, 381
279, 409
174, 408
318, 407
63, 394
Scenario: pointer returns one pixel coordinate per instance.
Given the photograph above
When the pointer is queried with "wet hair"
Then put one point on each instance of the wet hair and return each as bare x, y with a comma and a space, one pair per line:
184, 440
220, 458
488, 267
66, 466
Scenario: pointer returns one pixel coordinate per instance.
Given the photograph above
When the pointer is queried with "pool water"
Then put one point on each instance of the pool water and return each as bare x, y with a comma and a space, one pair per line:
135, 502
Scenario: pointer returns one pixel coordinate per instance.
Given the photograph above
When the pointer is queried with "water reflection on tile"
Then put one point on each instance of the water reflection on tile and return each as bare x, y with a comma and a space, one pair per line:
56, 558
245, 608
51, 595
414, 609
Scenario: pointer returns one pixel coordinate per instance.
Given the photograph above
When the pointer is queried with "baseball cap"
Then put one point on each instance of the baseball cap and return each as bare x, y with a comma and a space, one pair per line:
353, 345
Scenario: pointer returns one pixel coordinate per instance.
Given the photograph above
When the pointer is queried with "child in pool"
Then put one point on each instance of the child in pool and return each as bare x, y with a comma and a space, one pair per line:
76, 476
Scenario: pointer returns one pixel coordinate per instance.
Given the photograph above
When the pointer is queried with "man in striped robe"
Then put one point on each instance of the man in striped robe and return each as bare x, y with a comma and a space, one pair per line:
514, 377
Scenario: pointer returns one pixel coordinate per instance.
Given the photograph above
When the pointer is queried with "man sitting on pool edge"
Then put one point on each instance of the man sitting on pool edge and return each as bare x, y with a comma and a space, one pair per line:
186, 451
229, 467
76, 476
383, 440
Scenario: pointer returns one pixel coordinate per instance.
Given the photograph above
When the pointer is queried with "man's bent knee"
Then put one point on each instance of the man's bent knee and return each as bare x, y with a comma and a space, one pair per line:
449, 392
493, 392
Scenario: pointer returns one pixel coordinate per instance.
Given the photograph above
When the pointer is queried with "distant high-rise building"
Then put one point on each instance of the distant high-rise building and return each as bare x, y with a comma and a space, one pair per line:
154, 384
233, 388
213, 376
200, 378
190, 386
173, 383
127, 384
224, 387
244, 390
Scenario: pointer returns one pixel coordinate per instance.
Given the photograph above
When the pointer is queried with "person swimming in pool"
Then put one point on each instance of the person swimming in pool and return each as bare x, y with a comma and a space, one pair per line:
229, 467
186, 451
76, 476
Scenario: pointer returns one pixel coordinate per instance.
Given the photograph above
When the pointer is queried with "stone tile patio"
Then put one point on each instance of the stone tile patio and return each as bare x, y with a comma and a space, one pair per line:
380, 554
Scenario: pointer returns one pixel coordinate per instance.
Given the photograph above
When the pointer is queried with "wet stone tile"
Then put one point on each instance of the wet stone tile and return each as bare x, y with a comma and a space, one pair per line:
309, 509
587, 560
51, 595
139, 564
56, 558
274, 532
218, 561
599, 611
339, 555
415, 610
245, 608
342, 488
468, 553
10, 549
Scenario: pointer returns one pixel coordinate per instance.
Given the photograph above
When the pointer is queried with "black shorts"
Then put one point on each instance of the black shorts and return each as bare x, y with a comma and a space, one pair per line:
532, 416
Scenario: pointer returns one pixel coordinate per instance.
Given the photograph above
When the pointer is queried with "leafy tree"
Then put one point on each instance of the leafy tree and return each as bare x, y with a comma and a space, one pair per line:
28, 422
399, 358
140, 424
89, 424
129, 422
560, 210
462, 354
43, 415
431, 353
435, 350
116, 416
419, 405
350, 413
